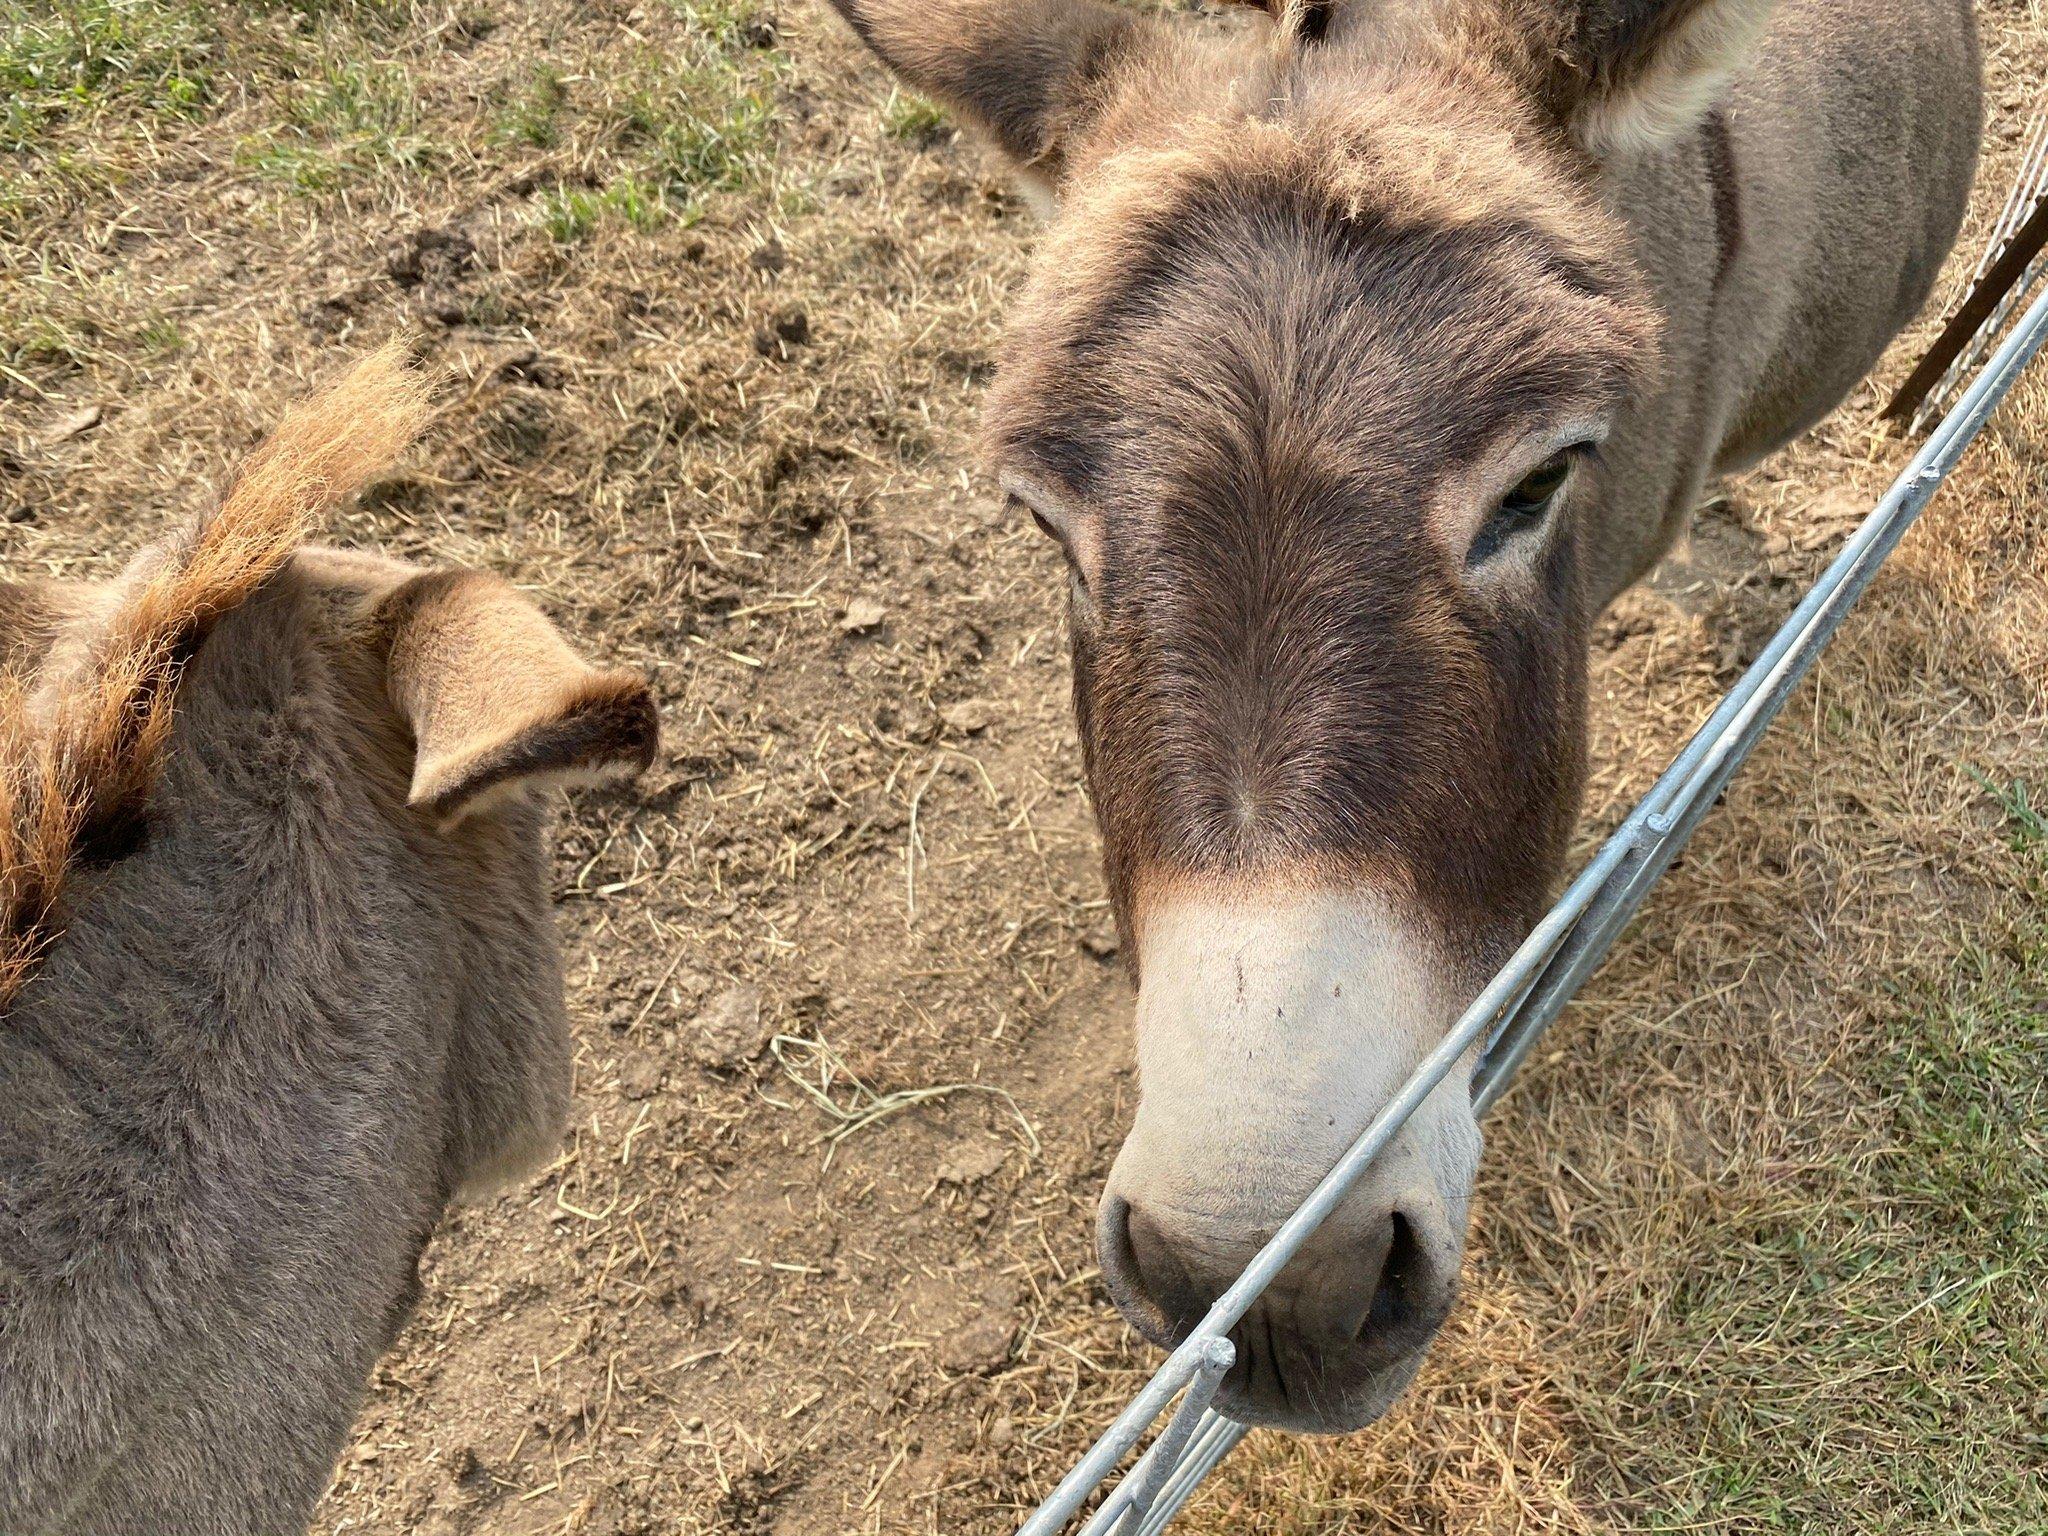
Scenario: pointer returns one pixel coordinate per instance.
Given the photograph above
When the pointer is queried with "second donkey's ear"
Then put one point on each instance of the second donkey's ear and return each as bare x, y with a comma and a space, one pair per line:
1029, 73
1633, 75
496, 699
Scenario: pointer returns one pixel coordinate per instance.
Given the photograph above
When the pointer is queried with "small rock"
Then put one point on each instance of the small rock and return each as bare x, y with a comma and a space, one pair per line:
640, 1075
469, 1473
1003, 1433
970, 717
76, 424
1102, 942
971, 1162
729, 1031
862, 615
979, 1346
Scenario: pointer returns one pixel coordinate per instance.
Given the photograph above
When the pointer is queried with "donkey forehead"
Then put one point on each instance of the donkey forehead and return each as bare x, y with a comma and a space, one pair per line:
1242, 301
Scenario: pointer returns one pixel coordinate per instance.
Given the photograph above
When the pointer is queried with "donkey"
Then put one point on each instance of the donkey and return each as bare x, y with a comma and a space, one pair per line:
1373, 348
278, 977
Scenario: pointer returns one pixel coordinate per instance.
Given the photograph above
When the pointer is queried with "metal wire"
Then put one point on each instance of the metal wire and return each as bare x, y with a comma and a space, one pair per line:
2029, 189
1534, 986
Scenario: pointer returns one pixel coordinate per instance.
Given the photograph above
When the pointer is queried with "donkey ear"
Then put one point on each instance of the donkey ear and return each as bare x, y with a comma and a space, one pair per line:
1027, 72
1633, 75
496, 700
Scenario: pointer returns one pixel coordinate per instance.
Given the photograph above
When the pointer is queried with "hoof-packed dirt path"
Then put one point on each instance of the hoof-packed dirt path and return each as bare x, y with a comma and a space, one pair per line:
1761, 1232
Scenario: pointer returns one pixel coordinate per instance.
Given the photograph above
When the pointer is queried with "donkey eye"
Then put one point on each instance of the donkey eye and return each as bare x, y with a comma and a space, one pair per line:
1535, 491
1523, 506
1052, 530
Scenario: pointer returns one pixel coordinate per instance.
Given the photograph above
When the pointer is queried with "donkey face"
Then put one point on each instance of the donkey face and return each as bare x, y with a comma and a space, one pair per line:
1311, 384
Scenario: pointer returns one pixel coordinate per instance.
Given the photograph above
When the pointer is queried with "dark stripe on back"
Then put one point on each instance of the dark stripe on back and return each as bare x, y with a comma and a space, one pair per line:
1720, 152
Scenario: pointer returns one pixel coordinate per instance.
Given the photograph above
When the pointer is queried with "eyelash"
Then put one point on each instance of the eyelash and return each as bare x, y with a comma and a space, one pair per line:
1509, 519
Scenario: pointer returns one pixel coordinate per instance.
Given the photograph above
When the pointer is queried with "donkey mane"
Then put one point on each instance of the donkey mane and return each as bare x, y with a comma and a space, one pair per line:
80, 753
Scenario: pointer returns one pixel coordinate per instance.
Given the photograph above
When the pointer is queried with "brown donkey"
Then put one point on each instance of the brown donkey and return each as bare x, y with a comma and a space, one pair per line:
1373, 348
278, 977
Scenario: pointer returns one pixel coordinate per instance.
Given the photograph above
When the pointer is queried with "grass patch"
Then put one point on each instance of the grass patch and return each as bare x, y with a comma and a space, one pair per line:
1873, 1354
700, 129
2026, 818
913, 118
347, 121
68, 60
571, 215
58, 310
727, 24
534, 115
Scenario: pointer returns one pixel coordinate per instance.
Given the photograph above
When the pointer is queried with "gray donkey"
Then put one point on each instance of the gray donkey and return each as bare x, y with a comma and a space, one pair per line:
278, 978
1369, 354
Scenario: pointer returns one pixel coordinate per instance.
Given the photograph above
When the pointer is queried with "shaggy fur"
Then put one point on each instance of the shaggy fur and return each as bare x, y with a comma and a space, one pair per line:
1290, 295
279, 1013
1313, 292
78, 760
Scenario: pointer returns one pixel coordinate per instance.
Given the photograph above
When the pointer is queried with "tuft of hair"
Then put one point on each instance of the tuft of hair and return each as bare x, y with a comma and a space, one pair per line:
1660, 69
1300, 21
76, 768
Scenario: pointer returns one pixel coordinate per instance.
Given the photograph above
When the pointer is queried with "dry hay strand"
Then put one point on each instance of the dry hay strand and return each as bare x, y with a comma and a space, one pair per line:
78, 757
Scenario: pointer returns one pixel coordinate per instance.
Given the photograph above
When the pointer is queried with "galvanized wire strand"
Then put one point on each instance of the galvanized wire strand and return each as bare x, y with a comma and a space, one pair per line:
1973, 354
1530, 991
2025, 186
2029, 189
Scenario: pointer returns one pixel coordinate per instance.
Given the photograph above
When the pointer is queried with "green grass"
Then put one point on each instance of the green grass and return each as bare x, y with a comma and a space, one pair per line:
2025, 816
89, 87
700, 129
533, 117
724, 23
909, 116
1871, 1352
346, 122
60, 309
63, 61
571, 214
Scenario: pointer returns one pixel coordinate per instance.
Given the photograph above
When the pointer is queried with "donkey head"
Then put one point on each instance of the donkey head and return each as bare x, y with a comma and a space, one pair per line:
1310, 383
329, 765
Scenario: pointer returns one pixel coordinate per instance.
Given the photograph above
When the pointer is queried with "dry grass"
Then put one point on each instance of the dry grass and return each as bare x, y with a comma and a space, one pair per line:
1756, 1229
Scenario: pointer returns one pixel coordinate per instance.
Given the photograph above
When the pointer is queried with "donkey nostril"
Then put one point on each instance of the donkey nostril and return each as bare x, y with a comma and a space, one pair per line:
1401, 1297
1146, 1279
1121, 1272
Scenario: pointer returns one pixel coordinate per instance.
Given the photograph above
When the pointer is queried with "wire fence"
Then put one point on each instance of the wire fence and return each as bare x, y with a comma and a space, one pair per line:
2029, 192
1530, 991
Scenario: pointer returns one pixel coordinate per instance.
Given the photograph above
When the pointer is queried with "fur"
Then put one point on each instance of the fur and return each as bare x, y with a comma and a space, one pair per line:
1307, 311
77, 761
288, 1013
1650, 72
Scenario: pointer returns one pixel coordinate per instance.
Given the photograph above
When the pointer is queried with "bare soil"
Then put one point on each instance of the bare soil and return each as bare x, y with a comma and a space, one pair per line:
852, 1050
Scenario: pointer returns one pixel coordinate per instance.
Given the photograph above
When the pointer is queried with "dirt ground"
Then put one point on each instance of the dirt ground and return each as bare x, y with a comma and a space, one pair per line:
1762, 1229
